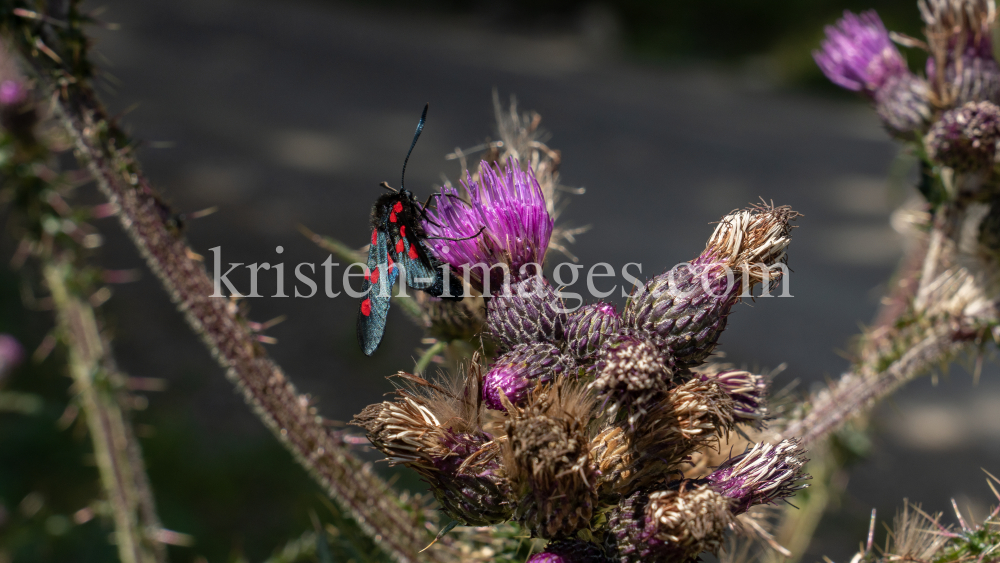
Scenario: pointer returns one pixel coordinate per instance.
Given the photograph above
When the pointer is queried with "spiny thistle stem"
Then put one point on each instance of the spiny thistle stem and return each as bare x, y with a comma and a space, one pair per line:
107, 153
116, 449
856, 393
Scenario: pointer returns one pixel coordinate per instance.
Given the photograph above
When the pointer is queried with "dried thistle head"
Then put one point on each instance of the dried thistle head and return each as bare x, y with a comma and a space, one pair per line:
631, 373
547, 458
686, 309
436, 430
764, 474
704, 411
750, 238
961, 67
747, 390
689, 417
675, 524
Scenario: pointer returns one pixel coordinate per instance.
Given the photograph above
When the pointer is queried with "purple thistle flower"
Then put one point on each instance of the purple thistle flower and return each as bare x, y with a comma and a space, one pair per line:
509, 206
11, 354
858, 54
762, 475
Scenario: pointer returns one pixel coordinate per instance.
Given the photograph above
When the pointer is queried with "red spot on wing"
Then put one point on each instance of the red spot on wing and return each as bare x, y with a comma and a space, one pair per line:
374, 237
402, 230
413, 252
400, 246
366, 307
398, 207
368, 276
375, 278
391, 264
392, 217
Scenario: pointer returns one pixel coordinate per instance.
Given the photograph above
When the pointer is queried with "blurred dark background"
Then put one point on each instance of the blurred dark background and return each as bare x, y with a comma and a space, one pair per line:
670, 114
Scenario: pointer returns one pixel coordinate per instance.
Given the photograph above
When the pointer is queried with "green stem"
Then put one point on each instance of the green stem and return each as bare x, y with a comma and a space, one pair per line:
115, 446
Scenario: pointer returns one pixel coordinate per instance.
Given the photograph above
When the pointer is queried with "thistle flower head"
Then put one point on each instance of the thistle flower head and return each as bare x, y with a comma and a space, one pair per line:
668, 525
590, 326
758, 235
904, 105
516, 373
436, 431
508, 205
689, 417
632, 373
547, 457
570, 551
858, 54
530, 312
747, 390
704, 411
687, 308
762, 475
11, 354
966, 138
961, 66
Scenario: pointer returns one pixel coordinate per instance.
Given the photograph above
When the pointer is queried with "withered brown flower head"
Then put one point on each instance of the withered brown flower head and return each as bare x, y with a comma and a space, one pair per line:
547, 456
631, 373
437, 432
669, 525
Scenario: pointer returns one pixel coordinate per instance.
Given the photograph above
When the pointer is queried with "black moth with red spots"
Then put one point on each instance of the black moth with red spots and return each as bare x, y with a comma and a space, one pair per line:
397, 242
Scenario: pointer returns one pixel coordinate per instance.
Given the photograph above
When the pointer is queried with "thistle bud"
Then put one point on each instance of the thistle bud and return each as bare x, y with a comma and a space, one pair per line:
590, 326
966, 138
904, 105
668, 525
570, 551
762, 475
437, 433
531, 312
520, 370
748, 392
547, 456
686, 309
631, 373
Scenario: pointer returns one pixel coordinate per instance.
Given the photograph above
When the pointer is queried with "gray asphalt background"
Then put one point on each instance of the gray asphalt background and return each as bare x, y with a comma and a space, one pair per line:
291, 112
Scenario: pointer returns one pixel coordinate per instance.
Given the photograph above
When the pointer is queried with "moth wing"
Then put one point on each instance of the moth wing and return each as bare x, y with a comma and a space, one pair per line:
377, 292
421, 273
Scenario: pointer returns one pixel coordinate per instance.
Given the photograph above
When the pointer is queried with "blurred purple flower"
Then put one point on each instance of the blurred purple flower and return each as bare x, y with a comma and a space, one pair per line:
11, 354
508, 205
858, 54
12, 92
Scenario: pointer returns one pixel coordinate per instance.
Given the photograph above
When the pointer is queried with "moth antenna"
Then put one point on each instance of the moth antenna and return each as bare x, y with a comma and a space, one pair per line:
420, 127
388, 187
